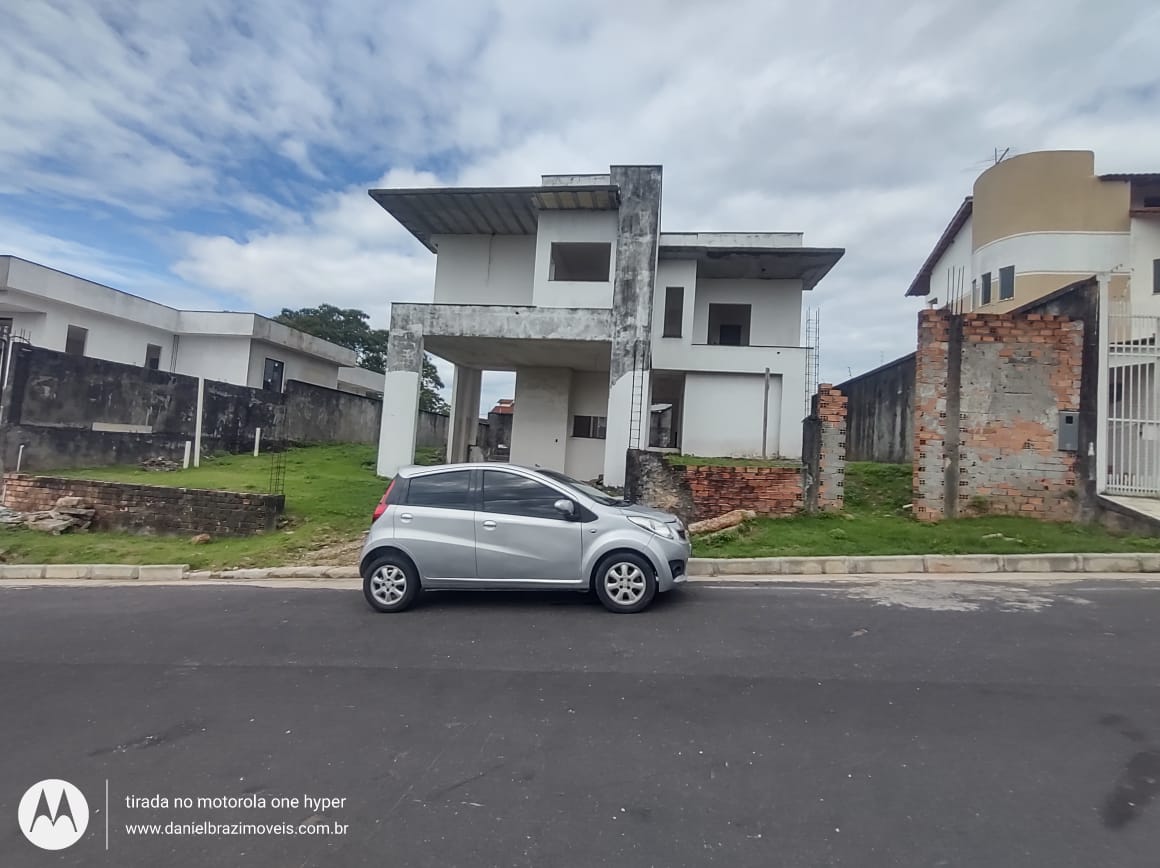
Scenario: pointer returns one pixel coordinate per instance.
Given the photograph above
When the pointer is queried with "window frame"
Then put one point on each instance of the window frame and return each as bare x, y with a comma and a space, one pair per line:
153, 367
1006, 282
470, 496
714, 324
985, 289
551, 514
597, 424
670, 329
281, 369
1156, 276
606, 247
69, 337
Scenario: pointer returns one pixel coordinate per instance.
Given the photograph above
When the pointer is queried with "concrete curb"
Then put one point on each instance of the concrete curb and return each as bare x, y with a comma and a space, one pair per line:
936, 564
699, 568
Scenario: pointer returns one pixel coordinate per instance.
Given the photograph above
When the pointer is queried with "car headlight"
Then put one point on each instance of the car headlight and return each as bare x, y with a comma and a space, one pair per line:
652, 525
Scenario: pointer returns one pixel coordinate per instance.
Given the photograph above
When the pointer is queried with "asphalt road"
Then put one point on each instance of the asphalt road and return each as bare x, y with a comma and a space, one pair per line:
779, 726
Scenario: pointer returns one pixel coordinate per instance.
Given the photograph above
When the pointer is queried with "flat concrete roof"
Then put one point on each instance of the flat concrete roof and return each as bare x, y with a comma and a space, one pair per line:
809, 264
431, 211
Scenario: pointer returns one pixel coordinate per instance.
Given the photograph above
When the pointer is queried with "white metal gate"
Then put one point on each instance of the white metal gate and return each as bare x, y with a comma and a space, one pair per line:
1133, 445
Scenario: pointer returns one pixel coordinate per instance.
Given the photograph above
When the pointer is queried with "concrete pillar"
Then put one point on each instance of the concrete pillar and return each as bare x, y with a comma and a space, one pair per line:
397, 431
1103, 385
540, 425
637, 240
463, 426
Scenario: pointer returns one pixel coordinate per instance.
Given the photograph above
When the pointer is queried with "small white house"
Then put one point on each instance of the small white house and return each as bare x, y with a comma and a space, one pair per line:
621, 335
57, 311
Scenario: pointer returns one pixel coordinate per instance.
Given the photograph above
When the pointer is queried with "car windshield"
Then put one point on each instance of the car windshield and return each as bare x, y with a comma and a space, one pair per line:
584, 488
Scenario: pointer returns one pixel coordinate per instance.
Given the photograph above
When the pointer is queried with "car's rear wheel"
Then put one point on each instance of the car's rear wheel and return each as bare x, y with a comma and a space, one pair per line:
390, 583
625, 583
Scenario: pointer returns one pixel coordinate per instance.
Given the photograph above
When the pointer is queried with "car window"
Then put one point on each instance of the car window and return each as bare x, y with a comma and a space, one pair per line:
449, 490
510, 494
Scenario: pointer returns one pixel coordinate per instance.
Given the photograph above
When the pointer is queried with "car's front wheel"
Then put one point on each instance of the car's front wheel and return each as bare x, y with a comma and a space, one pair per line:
625, 583
391, 583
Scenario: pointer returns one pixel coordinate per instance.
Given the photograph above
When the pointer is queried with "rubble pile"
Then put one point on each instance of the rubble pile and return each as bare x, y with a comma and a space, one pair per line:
67, 514
160, 464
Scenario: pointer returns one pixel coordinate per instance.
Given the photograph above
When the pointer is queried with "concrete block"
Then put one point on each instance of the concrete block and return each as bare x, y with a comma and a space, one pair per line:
814, 566
963, 563
162, 572
22, 571
1111, 563
113, 571
67, 571
1041, 563
887, 564
296, 572
340, 573
202, 575
1150, 562
702, 567
738, 567
244, 575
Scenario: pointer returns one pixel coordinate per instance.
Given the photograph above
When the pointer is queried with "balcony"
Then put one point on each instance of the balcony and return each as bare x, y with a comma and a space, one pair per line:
674, 354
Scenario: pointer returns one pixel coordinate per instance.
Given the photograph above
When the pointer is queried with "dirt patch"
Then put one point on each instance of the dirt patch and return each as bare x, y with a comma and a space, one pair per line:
343, 553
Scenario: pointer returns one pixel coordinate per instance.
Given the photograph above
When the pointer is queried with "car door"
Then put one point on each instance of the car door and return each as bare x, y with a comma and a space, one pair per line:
435, 524
520, 537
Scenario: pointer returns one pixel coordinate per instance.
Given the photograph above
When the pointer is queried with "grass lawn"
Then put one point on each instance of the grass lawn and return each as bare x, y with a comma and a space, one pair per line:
876, 524
331, 492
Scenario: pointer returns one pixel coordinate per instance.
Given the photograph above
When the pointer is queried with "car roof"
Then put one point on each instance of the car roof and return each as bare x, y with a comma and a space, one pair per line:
418, 469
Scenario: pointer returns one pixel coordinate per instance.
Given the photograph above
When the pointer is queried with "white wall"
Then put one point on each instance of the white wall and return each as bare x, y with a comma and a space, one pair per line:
1144, 247
572, 226
216, 357
954, 266
49, 285
723, 416
668, 352
1064, 253
589, 397
775, 317
109, 338
484, 269
298, 366
540, 424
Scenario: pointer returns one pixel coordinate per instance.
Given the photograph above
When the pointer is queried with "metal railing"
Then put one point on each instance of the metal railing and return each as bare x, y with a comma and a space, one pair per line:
1133, 404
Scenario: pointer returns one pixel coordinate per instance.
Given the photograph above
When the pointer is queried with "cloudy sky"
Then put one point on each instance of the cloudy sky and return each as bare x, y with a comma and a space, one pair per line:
217, 154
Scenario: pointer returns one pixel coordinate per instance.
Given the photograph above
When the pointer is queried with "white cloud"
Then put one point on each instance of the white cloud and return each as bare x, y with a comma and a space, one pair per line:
861, 124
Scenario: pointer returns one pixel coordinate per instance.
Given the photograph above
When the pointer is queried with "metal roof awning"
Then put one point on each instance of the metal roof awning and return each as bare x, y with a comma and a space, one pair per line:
809, 264
427, 212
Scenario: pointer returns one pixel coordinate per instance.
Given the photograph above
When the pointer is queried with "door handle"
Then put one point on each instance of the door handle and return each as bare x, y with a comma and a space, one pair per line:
406, 516
489, 524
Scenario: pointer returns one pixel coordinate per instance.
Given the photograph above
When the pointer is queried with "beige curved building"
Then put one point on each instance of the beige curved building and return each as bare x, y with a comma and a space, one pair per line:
1039, 221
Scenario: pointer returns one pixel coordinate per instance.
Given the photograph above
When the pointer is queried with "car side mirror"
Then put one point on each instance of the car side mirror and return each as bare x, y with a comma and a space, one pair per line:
565, 507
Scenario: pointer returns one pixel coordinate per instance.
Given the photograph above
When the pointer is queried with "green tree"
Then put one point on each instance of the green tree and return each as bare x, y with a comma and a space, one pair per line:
350, 328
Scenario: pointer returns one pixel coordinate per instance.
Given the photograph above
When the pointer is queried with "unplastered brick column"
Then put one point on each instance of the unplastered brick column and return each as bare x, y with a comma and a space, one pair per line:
1019, 374
832, 463
930, 414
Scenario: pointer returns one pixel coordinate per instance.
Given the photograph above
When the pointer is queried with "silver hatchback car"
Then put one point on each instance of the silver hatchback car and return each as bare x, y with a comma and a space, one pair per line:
505, 526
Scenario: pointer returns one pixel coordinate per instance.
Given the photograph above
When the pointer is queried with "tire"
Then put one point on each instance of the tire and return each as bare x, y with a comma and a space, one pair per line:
625, 583
391, 583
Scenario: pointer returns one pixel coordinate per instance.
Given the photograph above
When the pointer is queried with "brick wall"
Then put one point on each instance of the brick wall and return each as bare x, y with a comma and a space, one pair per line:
990, 389
150, 508
696, 492
765, 490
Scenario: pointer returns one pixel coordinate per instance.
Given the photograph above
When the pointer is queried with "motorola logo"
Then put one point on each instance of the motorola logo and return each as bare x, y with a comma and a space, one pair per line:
53, 814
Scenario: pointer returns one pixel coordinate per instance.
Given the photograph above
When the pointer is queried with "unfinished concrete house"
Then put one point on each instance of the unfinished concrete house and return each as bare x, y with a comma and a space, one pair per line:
620, 335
